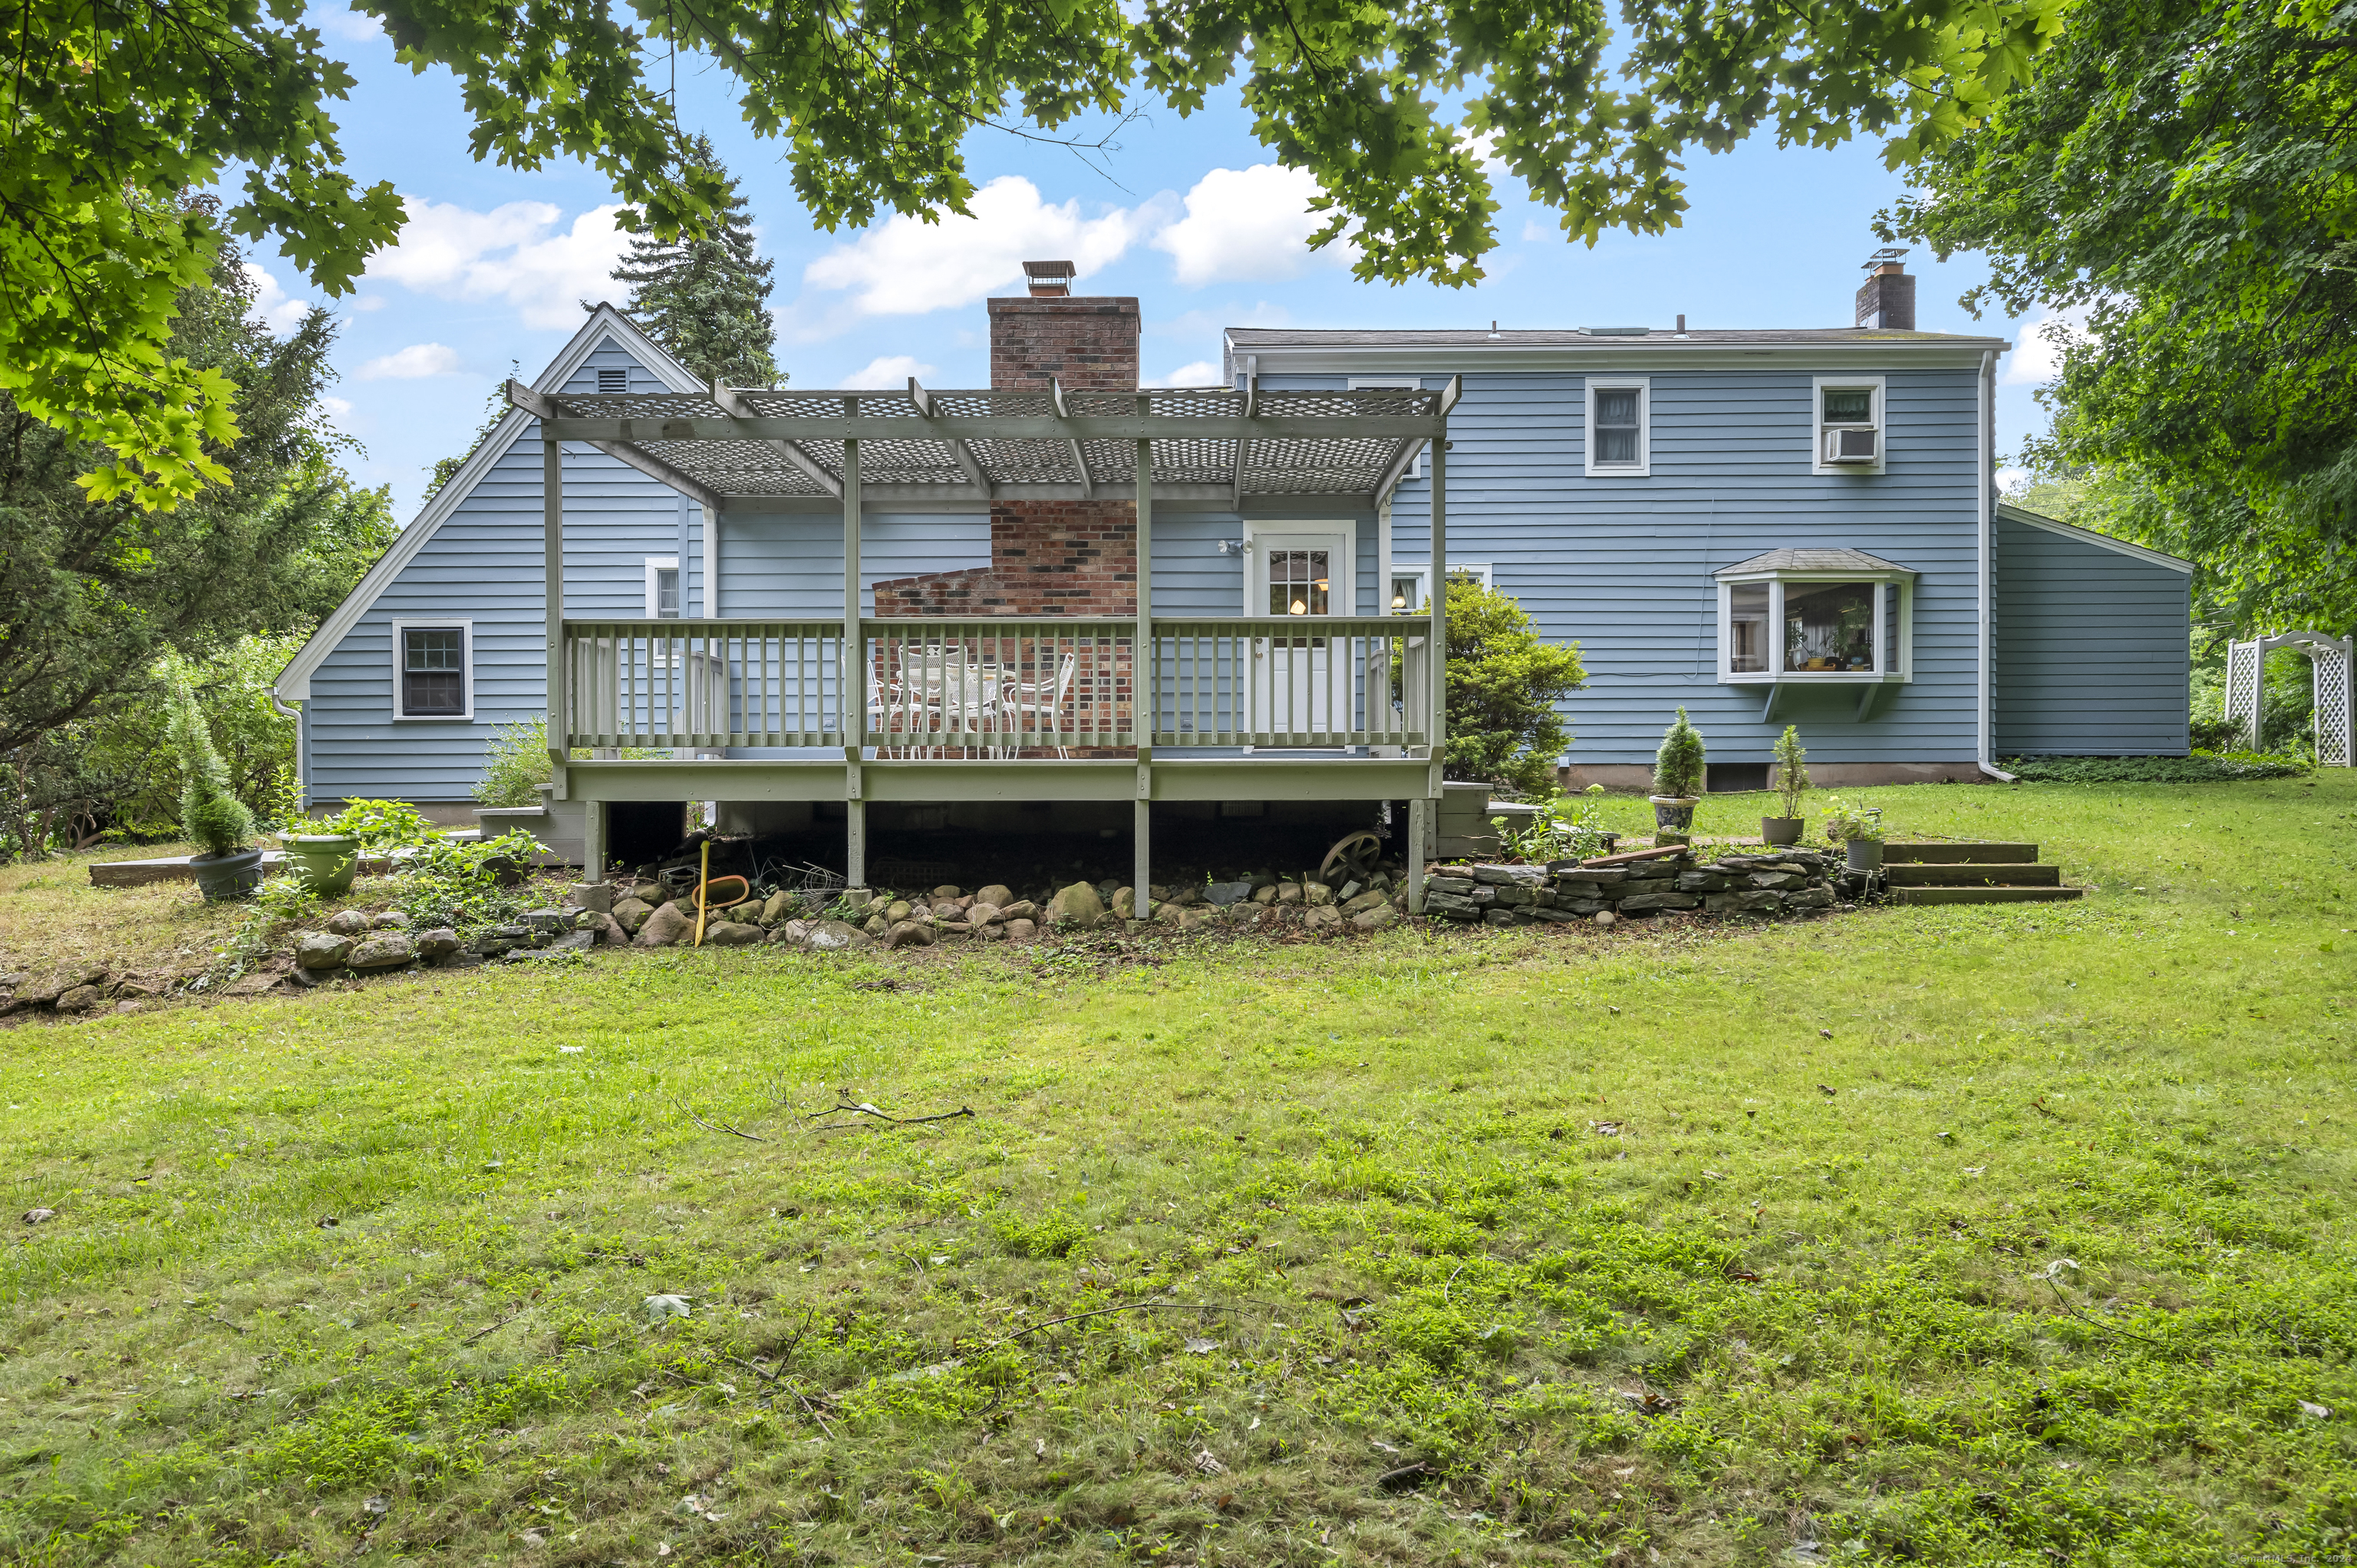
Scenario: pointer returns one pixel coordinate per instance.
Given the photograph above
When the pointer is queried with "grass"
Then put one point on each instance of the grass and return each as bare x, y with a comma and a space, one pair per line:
2012, 1235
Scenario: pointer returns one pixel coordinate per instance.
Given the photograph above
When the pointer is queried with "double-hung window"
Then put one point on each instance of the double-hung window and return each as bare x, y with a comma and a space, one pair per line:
663, 602
1619, 433
1807, 616
433, 673
1849, 424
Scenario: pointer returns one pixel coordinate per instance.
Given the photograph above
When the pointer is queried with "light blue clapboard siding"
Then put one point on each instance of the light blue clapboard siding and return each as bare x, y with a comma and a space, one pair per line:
2093, 649
484, 566
791, 563
1623, 566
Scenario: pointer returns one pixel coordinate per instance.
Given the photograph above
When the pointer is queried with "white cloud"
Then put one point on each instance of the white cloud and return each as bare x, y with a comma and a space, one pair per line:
514, 253
907, 267
273, 306
890, 373
1534, 232
1202, 373
2037, 358
337, 407
1249, 223
2011, 480
352, 27
413, 363
368, 302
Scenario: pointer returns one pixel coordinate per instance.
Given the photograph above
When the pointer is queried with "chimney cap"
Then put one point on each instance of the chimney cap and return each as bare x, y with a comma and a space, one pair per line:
1890, 259
1050, 277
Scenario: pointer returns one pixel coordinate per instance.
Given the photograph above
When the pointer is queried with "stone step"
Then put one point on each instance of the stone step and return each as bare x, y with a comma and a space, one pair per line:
1921, 875
1977, 853
1985, 894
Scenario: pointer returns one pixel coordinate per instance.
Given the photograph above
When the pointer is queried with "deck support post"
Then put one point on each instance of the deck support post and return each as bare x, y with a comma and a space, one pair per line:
1144, 684
552, 515
593, 841
855, 836
1417, 811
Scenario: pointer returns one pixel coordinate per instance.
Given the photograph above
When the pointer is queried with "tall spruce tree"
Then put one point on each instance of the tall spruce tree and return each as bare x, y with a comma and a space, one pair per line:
706, 300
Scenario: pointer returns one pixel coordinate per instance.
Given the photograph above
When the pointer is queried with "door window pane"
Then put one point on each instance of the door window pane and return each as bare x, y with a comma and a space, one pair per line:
1298, 582
1747, 629
432, 670
1828, 626
1617, 411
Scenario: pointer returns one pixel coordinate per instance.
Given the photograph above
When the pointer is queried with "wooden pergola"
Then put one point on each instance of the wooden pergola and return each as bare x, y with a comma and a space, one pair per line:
737, 450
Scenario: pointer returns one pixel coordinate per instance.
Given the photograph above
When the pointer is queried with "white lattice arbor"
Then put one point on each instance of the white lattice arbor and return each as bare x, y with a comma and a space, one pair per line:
2328, 661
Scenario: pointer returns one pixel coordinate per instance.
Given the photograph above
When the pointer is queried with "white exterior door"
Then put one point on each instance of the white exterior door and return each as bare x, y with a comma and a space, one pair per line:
1299, 571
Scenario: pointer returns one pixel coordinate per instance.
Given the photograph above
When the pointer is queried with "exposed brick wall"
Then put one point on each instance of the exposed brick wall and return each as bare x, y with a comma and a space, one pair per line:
1089, 345
1047, 558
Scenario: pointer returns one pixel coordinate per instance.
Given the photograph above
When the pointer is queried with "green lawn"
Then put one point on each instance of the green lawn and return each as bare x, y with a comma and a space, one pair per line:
1948, 1235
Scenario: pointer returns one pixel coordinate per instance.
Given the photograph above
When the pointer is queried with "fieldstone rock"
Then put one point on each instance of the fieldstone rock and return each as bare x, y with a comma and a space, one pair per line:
1780, 880
1810, 898
834, 936
82, 999
391, 920
1320, 917
1640, 903
1454, 905
1752, 902
997, 895
1494, 915
954, 928
1483, 896
386, 950
1079, 905
947, 909
1703, 881
349, 923
1607, 917
1362, 903
1289, 892
595, 897
946, 893
1020, 929
1456, 887
1376, 918
1596, 876
1508, 897
791, 932
1021, 909
1265, 894
441, 941
1511, 875
897, 909
991, 934
777, 906
979, 914
322, 949
549, 921
909, 934
631, 913
573, 941
1552, 915
732, 934
667, 927
1565, 904
1223, 894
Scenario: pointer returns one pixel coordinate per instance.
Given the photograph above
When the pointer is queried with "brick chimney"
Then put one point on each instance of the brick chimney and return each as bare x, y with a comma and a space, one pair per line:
1886, 300
1048, 557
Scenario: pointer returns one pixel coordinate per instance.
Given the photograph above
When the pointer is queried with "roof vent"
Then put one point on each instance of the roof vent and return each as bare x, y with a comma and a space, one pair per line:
1050, 280
1615, 332
1886, 301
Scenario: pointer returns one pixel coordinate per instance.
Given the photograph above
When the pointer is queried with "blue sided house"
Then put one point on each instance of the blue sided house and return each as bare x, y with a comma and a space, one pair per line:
1064, 598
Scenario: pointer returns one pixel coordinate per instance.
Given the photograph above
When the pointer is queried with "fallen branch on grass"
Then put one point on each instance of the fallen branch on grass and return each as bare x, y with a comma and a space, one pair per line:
844, 1102
490, 1328
722, 1127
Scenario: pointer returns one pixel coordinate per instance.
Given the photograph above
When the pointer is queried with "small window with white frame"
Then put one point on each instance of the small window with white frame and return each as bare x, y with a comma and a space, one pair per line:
1412, 582
433, 669
1834, 625
1619, 427
1849, 425
664, 589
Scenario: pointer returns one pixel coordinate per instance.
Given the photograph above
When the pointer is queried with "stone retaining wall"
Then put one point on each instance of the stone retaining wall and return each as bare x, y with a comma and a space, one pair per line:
1787, 882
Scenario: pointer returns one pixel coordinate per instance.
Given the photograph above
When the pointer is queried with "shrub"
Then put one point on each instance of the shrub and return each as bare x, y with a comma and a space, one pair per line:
467, 884
382, 825
1505, 681
210, 815
2202, 768
1843, 821
516, 763
1567, 828
1790, 780
1677, 766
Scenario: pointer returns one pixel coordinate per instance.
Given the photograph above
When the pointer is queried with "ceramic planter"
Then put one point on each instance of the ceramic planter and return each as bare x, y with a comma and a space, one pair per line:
224, 877
1675, 811
1864, 854
323, 861
1781, 831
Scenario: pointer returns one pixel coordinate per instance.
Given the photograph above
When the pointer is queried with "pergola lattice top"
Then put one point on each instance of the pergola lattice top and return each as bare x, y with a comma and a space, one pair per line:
742, 449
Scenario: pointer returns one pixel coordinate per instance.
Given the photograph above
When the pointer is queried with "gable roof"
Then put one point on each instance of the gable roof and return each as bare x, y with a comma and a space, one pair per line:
2009, 512
294, 682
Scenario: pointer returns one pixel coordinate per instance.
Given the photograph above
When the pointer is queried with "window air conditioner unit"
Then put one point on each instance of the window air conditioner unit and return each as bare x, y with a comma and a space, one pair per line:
1850, 446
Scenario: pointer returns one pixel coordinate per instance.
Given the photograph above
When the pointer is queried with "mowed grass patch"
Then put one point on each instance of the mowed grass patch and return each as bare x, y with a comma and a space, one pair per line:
1951, 1235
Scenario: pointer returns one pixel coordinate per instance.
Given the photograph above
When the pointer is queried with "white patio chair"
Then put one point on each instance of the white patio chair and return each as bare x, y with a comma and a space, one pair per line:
1030, 699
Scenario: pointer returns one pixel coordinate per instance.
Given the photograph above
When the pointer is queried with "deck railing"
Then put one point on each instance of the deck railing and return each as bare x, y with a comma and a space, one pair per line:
1000, 686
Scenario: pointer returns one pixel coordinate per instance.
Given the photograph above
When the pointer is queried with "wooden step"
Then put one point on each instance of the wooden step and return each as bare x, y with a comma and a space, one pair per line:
1985, 894
1921, 875
1978, 854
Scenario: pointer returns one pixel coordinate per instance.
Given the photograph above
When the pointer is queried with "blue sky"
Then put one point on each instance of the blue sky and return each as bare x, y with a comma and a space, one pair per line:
1189, 215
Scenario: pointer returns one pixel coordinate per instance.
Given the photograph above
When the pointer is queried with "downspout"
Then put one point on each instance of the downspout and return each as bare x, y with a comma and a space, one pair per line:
1987, 727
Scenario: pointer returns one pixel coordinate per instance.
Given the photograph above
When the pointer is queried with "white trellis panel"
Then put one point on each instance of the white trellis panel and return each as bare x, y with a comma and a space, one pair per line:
2331, 659
2244, 666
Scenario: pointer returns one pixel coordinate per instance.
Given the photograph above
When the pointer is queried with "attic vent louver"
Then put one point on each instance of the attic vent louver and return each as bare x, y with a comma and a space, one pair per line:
613, 380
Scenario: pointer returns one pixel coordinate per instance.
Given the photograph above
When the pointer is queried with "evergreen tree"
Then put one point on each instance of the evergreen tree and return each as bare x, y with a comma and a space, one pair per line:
706, 301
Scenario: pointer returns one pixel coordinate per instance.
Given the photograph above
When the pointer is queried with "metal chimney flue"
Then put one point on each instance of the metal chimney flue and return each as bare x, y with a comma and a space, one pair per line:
1050, 280
1886, 301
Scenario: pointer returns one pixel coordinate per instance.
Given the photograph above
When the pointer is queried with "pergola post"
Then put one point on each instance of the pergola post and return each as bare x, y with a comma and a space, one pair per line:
552, 524
1439, 632
1143, 686
853, 678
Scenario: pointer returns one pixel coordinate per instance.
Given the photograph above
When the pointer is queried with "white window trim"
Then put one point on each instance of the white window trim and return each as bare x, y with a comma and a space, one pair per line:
1415, 470
1894, 665
466, 670
1643, 467
1818, 386
664, 564
1421, 572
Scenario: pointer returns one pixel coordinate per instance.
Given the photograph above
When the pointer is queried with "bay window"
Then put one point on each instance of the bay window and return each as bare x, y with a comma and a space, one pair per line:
1806, 617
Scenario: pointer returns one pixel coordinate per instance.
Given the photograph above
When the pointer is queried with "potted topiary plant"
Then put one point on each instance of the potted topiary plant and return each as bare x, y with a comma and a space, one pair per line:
1790, 780
1677, 780
213, 819
1859, 830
